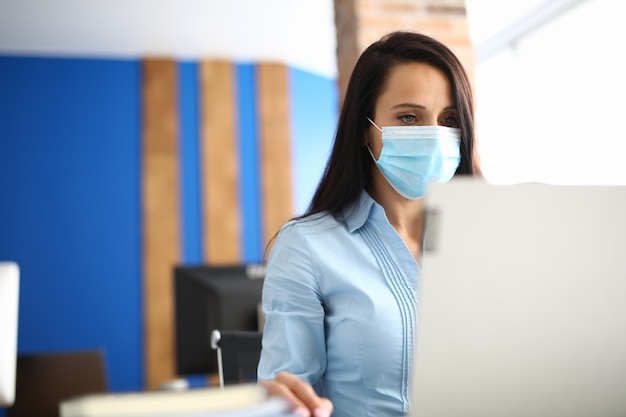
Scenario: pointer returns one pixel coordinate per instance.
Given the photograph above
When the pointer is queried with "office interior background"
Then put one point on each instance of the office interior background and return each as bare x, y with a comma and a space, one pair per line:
85, 198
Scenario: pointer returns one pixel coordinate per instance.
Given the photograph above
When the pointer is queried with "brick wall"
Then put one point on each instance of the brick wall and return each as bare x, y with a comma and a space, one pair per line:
361, 22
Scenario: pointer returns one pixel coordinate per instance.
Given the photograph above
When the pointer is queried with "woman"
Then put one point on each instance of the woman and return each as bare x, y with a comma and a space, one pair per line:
339, 297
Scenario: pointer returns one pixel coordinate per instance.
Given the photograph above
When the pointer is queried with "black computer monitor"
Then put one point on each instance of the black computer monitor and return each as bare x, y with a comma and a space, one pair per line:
208, 298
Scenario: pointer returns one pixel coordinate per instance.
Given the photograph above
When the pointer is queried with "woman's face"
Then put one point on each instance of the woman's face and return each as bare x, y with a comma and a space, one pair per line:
415, 94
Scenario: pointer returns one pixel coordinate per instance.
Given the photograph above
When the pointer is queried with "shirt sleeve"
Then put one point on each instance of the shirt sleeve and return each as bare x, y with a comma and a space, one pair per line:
293, 336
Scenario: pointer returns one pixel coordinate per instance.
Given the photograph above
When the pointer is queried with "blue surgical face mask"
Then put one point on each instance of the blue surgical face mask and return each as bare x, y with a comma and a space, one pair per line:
413, 156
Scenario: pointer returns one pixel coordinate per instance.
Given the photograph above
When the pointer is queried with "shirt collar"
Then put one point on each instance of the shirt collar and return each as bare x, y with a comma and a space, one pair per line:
357, 213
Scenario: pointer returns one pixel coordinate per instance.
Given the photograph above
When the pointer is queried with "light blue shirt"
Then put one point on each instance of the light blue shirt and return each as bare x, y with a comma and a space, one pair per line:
340, 301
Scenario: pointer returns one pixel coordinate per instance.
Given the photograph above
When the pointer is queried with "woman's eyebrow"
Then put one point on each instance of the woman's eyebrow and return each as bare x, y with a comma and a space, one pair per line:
409, 105
419, 106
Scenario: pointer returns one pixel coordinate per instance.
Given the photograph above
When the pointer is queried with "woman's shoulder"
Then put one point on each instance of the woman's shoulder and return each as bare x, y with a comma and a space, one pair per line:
312, 223
304, 236
352, 216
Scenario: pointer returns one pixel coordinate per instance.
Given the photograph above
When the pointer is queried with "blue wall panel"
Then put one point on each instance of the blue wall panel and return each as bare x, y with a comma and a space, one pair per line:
70, 206
250, 184
191, 179
314, 102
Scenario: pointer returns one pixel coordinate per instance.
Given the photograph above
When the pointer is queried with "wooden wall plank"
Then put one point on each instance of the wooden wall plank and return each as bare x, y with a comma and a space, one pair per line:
220, 169
160, 215
275, 146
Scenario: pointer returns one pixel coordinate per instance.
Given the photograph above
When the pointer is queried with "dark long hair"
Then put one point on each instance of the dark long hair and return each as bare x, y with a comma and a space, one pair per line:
349, 167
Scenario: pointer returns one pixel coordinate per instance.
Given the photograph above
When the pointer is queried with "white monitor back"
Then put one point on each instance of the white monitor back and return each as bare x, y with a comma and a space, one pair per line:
522, 306
9, 296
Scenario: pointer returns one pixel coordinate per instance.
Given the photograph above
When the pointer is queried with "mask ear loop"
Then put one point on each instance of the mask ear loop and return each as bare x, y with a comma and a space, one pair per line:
367, 144
375, 125
370, 151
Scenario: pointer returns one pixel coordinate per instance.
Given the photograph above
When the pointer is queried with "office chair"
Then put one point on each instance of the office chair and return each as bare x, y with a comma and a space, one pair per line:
238, 354
44, 380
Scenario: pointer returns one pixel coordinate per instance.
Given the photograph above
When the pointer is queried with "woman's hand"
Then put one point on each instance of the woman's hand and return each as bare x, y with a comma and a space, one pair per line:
305, 401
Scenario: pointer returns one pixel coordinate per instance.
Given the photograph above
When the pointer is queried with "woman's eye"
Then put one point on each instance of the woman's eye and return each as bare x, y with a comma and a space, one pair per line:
407, 118
450, 121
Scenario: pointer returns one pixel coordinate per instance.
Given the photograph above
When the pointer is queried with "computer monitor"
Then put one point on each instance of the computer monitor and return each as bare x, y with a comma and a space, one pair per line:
208, 298
9, 296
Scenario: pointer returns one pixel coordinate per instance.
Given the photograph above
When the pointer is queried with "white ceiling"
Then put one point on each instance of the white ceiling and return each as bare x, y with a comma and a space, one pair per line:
242, 30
